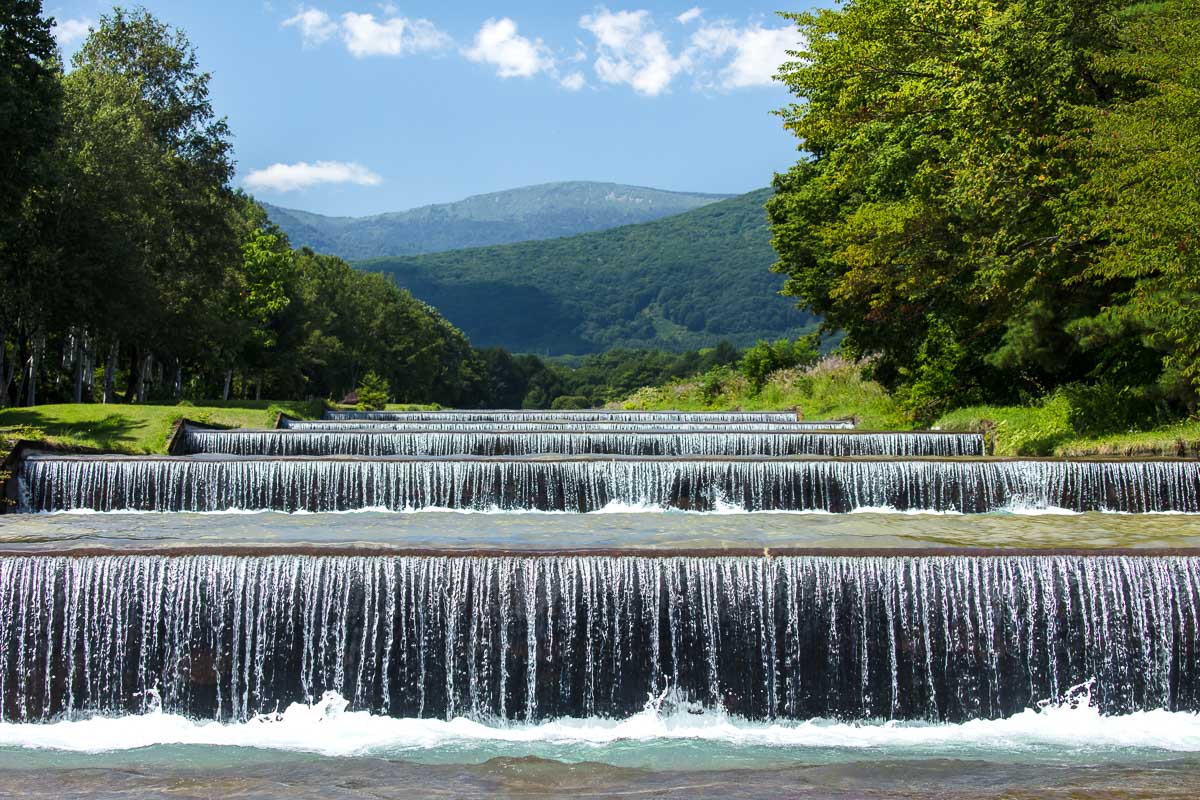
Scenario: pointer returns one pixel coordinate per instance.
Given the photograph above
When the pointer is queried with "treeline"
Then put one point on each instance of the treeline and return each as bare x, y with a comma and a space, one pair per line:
130, 270
1001, 199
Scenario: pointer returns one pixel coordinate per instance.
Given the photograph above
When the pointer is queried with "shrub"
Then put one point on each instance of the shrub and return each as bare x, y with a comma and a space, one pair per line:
373, 392
567, 402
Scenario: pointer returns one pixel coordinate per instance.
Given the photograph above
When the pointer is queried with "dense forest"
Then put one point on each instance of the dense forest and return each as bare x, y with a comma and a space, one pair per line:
1000, 200
679, 283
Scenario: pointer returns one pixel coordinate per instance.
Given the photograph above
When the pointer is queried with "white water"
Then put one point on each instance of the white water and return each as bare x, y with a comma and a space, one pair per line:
1072, 729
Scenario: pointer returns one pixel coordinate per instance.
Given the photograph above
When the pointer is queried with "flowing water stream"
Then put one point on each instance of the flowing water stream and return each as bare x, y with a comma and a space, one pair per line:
449, 624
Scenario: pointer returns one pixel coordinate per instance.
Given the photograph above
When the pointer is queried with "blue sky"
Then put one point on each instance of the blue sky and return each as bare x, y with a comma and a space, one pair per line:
364, 107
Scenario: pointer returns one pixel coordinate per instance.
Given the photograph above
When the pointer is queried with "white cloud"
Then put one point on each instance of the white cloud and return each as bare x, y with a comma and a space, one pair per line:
691, 15
394, 36
364, 35
573, 82
69, 31
631, 51
302, 175
514, 56
315, 26
754, 53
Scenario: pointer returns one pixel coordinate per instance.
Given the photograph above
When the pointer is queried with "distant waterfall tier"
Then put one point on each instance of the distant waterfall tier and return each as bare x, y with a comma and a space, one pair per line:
588, 483
575, 416
525, 426
932, 638
616, 441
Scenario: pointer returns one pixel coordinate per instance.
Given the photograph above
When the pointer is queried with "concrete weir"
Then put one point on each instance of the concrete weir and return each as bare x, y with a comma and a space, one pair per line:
942, 638
590, 483
615, 440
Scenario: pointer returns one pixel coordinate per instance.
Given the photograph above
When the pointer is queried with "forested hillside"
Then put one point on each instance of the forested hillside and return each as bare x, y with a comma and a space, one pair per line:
679, 283
545, 211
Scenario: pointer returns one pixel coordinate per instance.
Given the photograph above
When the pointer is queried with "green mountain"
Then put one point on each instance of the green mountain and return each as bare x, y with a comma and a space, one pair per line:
682, 282
546, 211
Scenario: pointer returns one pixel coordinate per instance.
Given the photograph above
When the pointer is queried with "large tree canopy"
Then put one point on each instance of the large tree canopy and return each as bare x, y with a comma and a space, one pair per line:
949, 212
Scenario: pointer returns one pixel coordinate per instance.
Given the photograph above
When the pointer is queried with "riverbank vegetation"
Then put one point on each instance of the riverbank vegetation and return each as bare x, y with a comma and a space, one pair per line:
998, 205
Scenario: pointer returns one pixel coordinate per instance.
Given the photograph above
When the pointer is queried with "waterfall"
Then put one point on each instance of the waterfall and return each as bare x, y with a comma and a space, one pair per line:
576, 442
575, 416
443, 426
586, 483
931, 638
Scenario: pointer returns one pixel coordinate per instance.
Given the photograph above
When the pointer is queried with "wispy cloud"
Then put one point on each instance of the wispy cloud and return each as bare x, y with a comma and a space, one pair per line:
70, 31
302, 175
367, 35
627, 47
514, 56
732, 57
393, 36
630, 50
315, 26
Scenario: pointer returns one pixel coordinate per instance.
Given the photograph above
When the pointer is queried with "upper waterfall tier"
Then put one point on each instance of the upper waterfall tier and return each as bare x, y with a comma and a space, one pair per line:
931, 638
525, 426
617, 441
587, 483
575, 416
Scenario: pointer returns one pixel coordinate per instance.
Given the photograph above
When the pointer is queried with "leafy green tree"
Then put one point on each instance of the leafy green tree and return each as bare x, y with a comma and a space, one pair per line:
1142, 203
944, 144
30, 120
764, 358
372, 392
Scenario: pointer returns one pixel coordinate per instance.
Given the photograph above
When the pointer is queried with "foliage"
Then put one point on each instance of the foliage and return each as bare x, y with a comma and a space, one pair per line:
372, 392
764, 358
683, 282
547, 211
567, 402
998, 198
833, 388
142, 275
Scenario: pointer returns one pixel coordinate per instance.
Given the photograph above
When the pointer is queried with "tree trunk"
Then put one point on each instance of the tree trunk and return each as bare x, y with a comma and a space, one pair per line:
110, 371
145, 374
35, 360
77, 357
177, 388
228, 385
258, 386
4, 372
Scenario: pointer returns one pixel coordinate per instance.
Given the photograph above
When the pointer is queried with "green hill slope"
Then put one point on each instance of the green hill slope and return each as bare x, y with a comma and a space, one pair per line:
683, 282
546, 211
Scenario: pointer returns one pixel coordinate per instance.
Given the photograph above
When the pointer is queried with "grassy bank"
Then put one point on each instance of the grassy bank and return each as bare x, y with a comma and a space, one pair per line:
835, 388
134, 428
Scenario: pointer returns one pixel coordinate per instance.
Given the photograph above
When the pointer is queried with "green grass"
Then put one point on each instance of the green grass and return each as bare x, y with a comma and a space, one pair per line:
833, 389
135, 428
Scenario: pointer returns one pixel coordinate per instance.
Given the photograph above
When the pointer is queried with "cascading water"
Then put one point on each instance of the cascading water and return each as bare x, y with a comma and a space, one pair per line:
617, 441
575, 416
937, 638
587, 483
442, 426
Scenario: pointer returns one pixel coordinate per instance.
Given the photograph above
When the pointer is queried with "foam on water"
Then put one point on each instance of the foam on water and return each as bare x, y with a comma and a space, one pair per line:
1073, 727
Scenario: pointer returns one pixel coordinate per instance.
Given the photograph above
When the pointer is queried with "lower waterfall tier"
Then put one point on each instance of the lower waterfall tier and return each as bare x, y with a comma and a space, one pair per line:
921, 637
201, 483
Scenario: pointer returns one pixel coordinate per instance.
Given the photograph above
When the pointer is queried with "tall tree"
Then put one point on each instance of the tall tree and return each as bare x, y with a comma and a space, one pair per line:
930, 218
152, 164
30, 109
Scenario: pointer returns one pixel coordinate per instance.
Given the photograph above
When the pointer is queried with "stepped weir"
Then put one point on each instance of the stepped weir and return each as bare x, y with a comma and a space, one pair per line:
930, 638
500, 636
614, 441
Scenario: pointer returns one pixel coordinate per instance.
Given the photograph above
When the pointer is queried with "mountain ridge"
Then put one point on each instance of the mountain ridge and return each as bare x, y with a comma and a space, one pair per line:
680, 282
528, 213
